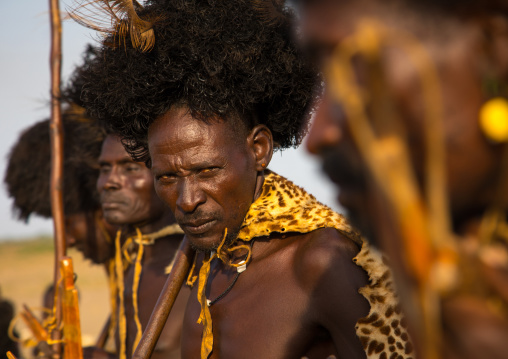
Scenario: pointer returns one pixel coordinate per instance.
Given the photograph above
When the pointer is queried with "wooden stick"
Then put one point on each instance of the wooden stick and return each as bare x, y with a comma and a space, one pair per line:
104, 335
56, 160
165, 302
37, 329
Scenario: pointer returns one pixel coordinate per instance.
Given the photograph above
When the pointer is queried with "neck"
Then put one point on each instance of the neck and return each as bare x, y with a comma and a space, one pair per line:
163, 248
152, 225
260, 179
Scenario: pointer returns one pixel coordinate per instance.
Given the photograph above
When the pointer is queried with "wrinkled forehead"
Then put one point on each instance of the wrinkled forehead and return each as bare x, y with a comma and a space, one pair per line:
177, 140
113, 150
179, 125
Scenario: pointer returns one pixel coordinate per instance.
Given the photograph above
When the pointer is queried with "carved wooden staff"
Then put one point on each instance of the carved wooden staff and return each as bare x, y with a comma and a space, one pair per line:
56, 161
165, 302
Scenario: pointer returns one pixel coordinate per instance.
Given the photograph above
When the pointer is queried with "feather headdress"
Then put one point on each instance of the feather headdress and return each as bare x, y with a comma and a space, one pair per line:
118, 18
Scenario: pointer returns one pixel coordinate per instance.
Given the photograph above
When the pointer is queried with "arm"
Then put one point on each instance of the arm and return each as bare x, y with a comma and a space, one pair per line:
327, 267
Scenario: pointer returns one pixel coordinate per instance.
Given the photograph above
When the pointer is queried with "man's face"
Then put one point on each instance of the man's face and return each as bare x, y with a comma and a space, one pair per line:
470, 160
126, 187
204, 172
88, 232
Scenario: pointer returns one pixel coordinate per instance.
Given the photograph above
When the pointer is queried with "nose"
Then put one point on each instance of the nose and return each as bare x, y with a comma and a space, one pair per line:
190, 195
325, 131
109, 180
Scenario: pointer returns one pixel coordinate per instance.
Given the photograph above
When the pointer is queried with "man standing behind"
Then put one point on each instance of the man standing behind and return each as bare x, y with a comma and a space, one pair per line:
27, 180
29, 163
129, 202
223, 85
146, 243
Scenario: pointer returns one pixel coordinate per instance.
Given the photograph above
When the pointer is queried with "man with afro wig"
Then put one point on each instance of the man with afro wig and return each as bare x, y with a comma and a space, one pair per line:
204, 91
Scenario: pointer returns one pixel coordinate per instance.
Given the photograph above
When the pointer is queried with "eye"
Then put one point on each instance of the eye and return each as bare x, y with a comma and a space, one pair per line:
103, 169
166, 178
208, 171
132, 167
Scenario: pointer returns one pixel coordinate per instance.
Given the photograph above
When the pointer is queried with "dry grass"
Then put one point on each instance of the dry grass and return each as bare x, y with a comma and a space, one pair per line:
26, 269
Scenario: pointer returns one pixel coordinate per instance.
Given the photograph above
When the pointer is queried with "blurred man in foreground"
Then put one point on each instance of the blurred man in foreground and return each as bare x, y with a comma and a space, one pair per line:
412, 128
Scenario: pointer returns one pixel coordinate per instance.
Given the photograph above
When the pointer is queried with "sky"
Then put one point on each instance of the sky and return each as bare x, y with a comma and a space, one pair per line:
24, 100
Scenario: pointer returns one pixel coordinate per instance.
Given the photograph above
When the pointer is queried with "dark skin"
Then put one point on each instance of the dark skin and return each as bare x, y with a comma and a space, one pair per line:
155, 261
463, 56
126, 191
208, 187
298, 296
83, 231
129, 200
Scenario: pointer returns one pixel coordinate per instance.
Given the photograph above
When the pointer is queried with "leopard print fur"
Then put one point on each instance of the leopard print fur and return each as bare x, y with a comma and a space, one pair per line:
284, 207
383, 332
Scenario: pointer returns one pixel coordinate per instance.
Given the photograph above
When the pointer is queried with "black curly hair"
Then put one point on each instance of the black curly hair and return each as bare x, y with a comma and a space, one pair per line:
71, 89
28, 170
220, 59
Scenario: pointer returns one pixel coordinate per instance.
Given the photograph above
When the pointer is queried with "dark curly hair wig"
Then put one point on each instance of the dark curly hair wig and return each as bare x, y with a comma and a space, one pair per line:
28, 170
220, 59
71, 90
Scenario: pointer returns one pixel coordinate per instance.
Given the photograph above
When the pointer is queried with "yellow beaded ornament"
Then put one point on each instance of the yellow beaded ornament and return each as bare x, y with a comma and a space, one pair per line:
494, 119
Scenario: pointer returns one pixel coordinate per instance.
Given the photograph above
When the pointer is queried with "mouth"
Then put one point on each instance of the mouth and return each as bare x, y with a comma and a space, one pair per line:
107, 205
344, 168
348, 176
197, 227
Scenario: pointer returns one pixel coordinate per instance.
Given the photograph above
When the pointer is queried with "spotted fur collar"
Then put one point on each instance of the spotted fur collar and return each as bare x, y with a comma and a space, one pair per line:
285, 207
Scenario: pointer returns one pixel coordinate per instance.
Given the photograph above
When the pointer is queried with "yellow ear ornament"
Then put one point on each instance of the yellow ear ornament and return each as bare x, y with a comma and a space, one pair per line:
494, 119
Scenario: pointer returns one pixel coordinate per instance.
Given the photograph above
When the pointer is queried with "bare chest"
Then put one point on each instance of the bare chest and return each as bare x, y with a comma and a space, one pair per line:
266, 314
140, 299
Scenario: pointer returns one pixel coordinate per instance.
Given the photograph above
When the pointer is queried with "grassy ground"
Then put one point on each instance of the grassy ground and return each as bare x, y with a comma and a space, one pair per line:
26, 269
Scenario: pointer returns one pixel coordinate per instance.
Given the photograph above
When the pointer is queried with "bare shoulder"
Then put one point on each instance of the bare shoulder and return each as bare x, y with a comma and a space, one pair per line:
325, 268
327, 253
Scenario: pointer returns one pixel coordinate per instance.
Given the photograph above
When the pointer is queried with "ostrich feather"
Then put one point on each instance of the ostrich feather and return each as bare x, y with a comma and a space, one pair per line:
118, 18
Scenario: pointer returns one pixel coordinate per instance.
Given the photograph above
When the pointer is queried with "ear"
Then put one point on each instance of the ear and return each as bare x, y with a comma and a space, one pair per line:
260, 140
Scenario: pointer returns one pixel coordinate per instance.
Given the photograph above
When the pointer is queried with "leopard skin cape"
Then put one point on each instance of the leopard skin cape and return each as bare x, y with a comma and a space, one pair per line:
284, 207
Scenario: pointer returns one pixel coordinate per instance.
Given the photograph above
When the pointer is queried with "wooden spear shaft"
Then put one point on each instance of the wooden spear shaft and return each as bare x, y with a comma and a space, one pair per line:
165, 302
104, 335
56, 131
